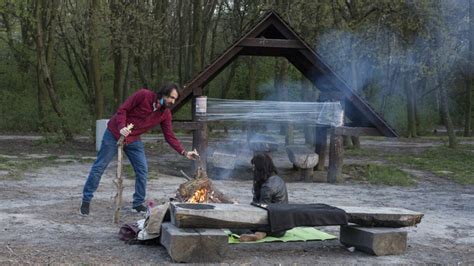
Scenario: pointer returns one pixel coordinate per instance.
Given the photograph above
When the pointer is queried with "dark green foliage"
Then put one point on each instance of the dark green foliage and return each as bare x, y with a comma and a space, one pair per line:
387, 51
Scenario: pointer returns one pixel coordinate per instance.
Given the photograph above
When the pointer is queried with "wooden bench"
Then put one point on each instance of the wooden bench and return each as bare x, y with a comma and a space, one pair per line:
263, 144
303, 159
224, 159
196, 230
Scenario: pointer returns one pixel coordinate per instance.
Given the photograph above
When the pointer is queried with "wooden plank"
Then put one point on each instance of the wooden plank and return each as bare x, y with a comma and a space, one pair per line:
357, 131
271, 43
251, 217
382, 216
274, 52
221, 216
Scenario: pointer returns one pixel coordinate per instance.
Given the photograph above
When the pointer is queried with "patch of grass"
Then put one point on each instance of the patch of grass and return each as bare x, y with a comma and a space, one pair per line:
457, 164
379, 174
16, 168
369, 153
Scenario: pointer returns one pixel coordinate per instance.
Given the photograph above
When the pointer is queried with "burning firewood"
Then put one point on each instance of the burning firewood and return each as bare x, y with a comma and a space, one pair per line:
200, 190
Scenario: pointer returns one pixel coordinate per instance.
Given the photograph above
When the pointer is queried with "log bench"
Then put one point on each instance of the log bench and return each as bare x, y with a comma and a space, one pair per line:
303, 159
262, 144
196, 234
223, 159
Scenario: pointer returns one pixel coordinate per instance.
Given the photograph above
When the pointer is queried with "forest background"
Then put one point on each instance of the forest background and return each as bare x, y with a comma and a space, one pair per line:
65, 63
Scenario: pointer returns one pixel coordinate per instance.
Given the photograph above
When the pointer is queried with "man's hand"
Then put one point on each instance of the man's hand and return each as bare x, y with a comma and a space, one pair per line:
126, 130
192, 155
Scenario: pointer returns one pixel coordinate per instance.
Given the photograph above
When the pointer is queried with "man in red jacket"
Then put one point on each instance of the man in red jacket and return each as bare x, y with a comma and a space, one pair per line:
145, 109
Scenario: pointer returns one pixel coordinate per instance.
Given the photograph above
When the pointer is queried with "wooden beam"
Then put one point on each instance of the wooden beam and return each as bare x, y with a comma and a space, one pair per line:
220, 215
273, 52
357, 131
271, 43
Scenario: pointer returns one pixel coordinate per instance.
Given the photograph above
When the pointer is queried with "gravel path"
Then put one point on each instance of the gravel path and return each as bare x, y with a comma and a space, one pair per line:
39, 218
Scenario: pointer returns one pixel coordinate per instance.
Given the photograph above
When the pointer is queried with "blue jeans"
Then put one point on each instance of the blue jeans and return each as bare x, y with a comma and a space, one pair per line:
135, 152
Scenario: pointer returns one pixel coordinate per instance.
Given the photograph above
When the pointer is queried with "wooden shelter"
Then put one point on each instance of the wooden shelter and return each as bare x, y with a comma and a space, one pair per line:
272, 36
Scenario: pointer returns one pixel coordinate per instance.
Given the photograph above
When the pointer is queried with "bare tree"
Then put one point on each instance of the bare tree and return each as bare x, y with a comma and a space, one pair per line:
46, 19
470, 82
93, 62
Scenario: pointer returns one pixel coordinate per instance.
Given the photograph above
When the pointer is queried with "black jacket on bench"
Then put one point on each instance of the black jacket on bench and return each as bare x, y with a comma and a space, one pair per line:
286, 216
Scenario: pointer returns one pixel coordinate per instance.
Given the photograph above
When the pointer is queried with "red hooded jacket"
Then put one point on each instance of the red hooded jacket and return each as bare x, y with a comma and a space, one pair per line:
138, 110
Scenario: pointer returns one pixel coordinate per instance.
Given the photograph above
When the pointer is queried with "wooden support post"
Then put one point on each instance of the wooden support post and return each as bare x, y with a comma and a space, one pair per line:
200, 136
336, 153
356, 142
321, 143
306, 174
200, 142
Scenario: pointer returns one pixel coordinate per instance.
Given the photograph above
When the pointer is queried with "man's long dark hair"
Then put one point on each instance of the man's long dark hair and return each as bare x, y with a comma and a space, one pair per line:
166, 89
263, 169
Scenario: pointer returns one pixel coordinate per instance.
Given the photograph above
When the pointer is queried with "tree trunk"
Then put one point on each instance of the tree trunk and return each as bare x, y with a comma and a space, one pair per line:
470, 83
197, 34
208, 13
94, 66
118, 76
42, 57
468, 113
228, 83
41, 101
354, 65
214, 31
180, 42
160, 14
188, 63
117, 53
448, 123
252, 78
307, 95
281, 88
411, 119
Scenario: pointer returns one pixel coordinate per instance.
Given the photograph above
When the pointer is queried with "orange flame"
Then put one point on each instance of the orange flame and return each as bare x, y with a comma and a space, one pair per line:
199, 196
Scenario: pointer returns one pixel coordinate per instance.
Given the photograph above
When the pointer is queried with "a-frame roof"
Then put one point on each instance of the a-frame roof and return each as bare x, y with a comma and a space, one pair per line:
272, 36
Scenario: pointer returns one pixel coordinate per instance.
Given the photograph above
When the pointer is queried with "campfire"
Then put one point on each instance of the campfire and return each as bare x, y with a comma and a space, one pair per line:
200, 189
199, 196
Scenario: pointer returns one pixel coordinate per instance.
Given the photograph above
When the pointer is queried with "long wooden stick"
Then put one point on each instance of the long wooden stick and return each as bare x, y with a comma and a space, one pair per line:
118, 181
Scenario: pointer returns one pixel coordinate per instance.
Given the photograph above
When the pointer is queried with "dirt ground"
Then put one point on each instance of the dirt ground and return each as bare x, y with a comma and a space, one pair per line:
40, 221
